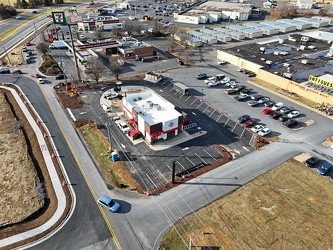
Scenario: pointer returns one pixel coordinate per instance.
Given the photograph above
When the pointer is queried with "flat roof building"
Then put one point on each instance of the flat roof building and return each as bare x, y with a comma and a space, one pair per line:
217, 35
314, 22
248, 32
298, 24
233, 34
267, 30
152, 115
283, 27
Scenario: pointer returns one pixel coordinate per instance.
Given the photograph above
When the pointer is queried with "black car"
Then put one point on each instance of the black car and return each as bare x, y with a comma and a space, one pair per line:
244, 118
60, 77
256, 97
4, 71
283, 117
240, 87
275, 115
269, 104
246, 90
286, 110
251, 74
289, 123
311, 161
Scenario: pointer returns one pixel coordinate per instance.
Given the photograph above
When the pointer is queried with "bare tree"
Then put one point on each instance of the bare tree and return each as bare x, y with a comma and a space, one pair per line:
115, 68
128, 27
116, 32
138, 27
43, 47
95, 69
183, 36
171, 38
98, 34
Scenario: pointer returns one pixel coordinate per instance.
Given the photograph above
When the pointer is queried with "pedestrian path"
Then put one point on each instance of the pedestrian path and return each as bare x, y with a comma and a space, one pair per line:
56, 183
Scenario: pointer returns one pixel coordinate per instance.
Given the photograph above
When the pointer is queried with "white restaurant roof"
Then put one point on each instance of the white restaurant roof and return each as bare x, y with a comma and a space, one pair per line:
140, 102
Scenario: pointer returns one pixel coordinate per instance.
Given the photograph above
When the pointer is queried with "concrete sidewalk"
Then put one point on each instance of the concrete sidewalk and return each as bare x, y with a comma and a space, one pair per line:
53, 176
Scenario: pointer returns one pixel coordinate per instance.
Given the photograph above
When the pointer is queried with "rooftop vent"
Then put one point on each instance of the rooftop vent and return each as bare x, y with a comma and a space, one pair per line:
157, 106
139, 98
150, 104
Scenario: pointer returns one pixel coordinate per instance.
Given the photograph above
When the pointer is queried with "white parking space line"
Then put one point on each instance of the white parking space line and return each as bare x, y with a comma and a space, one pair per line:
212, 112
200, 158
199, 106
187, 98
190, 161
195, 99
169, 167
237, 151
181, 165
234, 127
226, 122
219, 118
246, 149
209, 155
205, 109
241, 133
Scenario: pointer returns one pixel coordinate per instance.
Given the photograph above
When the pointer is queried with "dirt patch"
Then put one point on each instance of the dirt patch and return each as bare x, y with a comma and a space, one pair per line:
50, 201
281, 209
69, 97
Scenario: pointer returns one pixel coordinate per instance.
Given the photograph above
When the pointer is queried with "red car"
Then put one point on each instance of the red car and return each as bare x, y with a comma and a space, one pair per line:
27, 44
17, 71
36, 76
267, 111
249, 123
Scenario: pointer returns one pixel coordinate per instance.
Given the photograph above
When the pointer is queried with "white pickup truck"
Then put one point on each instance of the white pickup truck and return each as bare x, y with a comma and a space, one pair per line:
123, 126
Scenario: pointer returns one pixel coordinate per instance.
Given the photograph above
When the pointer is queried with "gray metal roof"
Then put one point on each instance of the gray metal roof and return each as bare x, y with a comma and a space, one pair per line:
223, 30
277, 24
308, 20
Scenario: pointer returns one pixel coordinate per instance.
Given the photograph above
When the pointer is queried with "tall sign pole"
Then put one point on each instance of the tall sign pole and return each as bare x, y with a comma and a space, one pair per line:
60, 18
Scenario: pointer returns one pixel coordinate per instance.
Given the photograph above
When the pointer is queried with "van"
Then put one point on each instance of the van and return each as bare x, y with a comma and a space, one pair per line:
277, 106
106, 107
219, 77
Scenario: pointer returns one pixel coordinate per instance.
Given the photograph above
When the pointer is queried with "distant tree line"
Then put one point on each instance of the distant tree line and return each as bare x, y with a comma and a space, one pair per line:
6, 11
30, 4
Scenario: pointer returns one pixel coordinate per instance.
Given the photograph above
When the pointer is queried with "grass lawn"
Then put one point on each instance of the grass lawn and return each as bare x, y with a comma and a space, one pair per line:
288, 207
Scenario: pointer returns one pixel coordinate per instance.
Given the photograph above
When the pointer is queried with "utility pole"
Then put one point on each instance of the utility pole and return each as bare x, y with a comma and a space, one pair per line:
74, 53
7, 55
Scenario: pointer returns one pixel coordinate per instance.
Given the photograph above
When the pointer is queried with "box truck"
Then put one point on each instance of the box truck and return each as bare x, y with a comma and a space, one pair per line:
181, 88
58, 45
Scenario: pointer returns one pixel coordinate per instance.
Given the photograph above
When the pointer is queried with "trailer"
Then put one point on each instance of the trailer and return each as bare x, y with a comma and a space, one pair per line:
181, 88
58, 45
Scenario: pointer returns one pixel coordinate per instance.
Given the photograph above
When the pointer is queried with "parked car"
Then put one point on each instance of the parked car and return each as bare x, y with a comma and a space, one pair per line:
24, 49
17, 71
221, 62
275, 114
253, 103
230, 91
264, 99
277, 106
18, 17
256, 97
40, 80
251, 74
36, 76
257, 128
225, 80
241, 70
212, 84
294, 114
60, 77
269, 104
264, 132
286, 110
283, 117
108, 203
201, 76
249, 123
311, 161
241, 97
324, 168
289, 123
266, 111
4, 71
27, 44
243, 118
246, 90
111, 96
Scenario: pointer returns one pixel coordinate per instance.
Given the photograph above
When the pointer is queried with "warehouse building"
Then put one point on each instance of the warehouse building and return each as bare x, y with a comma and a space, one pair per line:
248, 32
212, 11
323, 18
204, 38
233, 34
283, 27
298, 24
267, 30
153, 116
217, 35
315, 23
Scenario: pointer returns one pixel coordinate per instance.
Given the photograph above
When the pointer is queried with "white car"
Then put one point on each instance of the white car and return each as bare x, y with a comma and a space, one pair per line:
110, 96
211, 84
257, 128
277, 106
221, 62
210, 79
40, 80
264, 132
225, 80
293, 114
18, 17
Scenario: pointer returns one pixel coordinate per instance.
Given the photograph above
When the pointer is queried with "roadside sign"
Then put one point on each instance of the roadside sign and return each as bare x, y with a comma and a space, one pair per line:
59, 17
